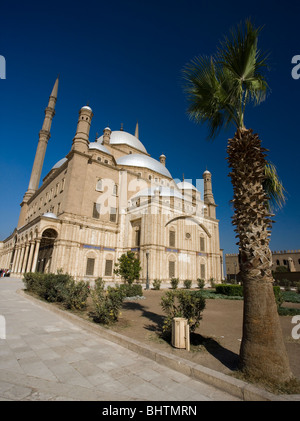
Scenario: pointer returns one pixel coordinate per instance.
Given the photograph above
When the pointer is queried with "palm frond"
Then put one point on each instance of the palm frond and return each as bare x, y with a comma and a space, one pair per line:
273, 187
207, 94
219, 87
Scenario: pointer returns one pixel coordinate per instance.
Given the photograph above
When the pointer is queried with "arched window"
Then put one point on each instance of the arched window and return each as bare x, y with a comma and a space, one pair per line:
171, 269
172, 238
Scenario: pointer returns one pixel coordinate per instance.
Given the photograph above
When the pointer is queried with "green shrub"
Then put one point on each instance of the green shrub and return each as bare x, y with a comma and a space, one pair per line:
129, 267
75, 295
156, 284
212, 282
131, 290
58, 288
200, 283
187, 283
230, 290
278, 296
106, 303
174, 283
181, 303
48, 286
32, 281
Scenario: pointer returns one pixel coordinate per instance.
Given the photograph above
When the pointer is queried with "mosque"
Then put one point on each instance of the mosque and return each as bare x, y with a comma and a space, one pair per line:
106, 197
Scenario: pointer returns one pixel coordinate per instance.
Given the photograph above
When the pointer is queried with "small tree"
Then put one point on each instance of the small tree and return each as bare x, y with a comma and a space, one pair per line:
128, 267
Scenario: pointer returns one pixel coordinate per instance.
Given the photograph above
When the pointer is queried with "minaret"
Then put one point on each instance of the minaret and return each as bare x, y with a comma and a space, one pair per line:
44, 136
162, 159
81, 139
208, 194
106, 136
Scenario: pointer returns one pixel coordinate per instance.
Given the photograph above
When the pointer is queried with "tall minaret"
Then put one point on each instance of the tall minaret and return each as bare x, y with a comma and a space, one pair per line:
208, 194
44, 136
81, 138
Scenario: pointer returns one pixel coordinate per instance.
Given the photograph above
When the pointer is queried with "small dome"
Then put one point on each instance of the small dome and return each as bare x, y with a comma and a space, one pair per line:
161, 190
86, 107
185, 185
49, 215
206, 172
143, 161
96, 145
59, 163
120, 137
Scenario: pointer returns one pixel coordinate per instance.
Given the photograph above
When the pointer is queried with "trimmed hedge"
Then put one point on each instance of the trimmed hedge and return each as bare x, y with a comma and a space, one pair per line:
234, 290
131, 290
230, 289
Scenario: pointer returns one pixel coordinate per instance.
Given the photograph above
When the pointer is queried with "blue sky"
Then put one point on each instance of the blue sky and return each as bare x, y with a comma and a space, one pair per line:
125, 59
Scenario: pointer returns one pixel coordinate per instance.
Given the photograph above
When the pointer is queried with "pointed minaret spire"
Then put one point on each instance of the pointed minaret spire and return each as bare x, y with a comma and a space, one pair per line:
55, 88
44, 136
136, 134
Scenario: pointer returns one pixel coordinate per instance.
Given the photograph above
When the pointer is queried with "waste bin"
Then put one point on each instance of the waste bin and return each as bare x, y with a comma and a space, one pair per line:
180, 333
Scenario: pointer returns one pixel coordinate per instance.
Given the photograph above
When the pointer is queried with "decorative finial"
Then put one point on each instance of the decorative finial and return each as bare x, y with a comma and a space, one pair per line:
121, 127
182, 176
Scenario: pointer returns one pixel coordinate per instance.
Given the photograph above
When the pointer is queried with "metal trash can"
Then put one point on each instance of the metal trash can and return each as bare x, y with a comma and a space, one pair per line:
180, 333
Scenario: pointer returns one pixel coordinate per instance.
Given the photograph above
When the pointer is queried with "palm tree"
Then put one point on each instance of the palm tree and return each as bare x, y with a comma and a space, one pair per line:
218, 89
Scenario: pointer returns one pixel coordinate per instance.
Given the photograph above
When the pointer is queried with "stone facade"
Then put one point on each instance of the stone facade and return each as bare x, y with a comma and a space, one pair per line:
288, 258
105, 198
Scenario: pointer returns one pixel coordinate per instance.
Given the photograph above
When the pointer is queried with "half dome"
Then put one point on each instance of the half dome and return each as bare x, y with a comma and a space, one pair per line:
162, 190
185, 185
143, 161
49, 215
59, 163
99, 146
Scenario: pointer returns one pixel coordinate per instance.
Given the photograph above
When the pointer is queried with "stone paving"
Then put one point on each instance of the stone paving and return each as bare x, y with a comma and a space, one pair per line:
44, 357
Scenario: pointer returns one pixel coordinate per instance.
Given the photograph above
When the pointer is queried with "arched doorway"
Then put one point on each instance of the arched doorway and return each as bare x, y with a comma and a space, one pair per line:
46, 250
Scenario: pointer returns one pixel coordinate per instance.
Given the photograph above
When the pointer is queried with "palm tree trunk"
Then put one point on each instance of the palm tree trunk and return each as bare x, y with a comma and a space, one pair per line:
262, 353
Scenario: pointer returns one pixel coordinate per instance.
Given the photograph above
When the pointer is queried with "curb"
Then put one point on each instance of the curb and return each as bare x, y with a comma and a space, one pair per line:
231, 385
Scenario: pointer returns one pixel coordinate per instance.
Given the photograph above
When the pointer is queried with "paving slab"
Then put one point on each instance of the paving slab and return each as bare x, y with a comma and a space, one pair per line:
46, 357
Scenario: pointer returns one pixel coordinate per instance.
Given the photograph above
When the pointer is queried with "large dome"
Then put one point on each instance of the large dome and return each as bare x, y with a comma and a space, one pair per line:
143, 161
119, 137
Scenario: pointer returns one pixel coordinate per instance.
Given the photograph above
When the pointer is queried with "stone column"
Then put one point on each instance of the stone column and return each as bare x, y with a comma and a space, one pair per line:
36, 253
23, 268
21, 259
16, 258
29, 263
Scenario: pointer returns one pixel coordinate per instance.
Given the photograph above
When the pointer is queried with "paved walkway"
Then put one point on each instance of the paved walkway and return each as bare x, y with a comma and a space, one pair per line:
44, 357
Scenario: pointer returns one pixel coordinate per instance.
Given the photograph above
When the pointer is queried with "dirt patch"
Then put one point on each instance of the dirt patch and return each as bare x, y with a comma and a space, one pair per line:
215, 344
